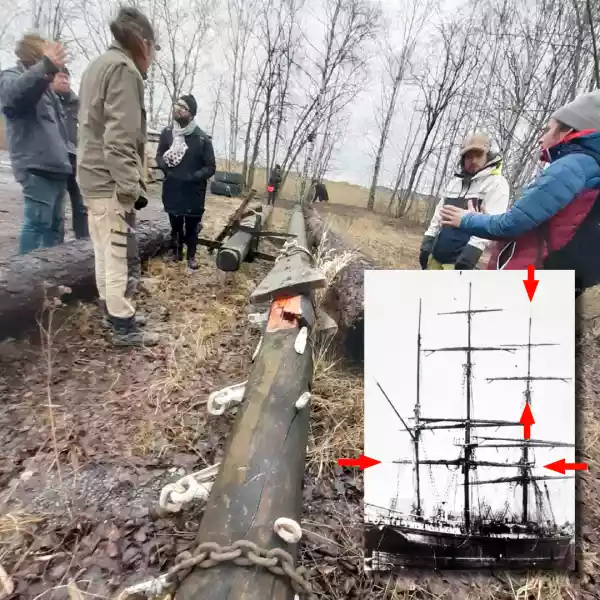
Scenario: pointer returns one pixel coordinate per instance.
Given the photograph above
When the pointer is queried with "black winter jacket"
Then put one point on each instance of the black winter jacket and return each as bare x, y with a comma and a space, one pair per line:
184, 187
70, 104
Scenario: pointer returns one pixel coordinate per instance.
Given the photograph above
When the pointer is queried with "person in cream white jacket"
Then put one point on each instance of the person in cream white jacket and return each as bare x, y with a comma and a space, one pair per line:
479, 185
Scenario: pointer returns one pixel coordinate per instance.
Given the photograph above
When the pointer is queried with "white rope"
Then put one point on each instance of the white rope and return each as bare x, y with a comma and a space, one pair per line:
221, 400
257, 349
155, 587
288, 530
303, 400
301, 339
195, 486
291, 247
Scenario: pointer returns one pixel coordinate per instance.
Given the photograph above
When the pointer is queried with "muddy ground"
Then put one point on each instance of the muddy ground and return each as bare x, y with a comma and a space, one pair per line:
89, 436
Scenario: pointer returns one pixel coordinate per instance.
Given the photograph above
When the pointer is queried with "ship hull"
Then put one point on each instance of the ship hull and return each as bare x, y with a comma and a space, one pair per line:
403, 547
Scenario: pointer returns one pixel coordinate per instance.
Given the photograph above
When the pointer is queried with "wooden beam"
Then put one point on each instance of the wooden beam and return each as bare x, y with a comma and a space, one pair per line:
293, 274
235, 250
261, 474
23, 278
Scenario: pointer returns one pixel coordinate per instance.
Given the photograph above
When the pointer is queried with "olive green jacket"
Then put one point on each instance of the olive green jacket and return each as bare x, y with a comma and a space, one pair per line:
112, 128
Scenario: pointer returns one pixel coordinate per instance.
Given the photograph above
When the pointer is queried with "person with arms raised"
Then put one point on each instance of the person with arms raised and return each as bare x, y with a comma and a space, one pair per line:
36, 136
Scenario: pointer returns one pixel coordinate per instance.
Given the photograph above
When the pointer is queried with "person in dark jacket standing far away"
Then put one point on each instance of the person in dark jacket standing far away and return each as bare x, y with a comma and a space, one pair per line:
321, 194
36, 135
555, 224
479, 183
185, 155
110, 170
70, 103
274, 183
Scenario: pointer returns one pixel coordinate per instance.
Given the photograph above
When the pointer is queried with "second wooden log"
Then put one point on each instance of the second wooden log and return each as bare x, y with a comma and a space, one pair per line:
235, 250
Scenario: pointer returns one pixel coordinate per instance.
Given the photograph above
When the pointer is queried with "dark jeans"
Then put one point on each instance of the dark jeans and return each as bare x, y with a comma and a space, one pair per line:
44, 212
78, 210
184, 230
272, 196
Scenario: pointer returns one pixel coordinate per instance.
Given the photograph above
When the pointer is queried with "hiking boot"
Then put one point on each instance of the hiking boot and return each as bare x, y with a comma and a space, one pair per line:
140, 319
179, 255
126, 333
192, 264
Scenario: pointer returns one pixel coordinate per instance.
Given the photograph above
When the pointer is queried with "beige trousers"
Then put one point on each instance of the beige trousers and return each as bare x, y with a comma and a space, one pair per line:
117, 262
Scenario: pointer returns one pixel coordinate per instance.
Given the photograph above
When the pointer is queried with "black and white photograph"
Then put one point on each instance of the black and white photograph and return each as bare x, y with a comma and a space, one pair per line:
469, 399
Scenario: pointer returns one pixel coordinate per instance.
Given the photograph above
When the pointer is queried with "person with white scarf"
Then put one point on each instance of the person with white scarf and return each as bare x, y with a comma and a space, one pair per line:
186, 156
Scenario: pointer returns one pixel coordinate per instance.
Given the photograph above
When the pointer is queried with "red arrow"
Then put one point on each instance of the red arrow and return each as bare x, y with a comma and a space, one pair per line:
560, 466
530, 283
362, 462
527, 421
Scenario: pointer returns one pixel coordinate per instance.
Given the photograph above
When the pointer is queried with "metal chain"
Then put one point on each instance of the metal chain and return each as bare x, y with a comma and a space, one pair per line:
245, 553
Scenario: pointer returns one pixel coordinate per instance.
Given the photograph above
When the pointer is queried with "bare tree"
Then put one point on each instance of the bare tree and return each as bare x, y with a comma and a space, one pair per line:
242, 16
349, 28
183, 28
439, 86
397, 61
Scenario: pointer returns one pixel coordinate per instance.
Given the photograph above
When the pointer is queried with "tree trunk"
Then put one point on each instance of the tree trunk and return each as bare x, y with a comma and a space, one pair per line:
344, 297
23, 279
260, 478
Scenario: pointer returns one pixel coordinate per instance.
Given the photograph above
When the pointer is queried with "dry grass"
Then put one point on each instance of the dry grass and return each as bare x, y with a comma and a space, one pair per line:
390, 246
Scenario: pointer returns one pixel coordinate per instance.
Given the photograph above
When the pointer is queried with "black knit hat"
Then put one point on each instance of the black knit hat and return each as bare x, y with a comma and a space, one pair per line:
191, 102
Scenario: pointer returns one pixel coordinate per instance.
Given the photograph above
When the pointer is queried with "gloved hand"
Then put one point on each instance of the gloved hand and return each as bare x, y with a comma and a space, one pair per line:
468, 258
426, 248
140, 203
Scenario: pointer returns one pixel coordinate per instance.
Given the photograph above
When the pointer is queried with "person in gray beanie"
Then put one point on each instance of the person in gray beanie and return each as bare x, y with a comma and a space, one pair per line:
556, 222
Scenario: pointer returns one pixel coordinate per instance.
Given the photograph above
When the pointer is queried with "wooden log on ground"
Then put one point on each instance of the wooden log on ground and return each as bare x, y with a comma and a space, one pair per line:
24, 279
235, 250
260, 478
344, 297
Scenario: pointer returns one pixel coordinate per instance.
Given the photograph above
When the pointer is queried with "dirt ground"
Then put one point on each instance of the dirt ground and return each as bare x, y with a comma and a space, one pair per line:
89, 436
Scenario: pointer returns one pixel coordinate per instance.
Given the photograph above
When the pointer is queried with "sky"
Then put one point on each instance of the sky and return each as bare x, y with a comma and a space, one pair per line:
391, 318
353, 161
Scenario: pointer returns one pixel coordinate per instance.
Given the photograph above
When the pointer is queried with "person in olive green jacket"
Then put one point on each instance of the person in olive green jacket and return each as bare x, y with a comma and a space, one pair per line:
110, 170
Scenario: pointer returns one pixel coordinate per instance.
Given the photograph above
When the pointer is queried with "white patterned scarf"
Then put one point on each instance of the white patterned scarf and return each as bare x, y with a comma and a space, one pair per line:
174, 155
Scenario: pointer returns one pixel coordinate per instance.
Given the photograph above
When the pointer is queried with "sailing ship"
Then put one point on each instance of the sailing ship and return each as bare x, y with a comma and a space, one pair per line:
477, 536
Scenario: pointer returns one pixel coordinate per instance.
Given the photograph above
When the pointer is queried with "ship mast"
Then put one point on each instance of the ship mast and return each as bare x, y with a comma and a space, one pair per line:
418, 418
468, 423
525, 478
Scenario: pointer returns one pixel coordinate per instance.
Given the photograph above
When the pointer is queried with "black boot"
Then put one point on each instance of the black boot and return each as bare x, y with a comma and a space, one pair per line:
126, 333
173, 245
179, 257
140, 319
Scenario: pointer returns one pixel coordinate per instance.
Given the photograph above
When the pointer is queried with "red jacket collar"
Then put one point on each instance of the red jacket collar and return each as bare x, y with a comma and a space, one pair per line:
545, 154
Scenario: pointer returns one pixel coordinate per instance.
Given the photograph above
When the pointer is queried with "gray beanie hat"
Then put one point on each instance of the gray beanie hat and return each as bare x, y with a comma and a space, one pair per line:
583, 113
